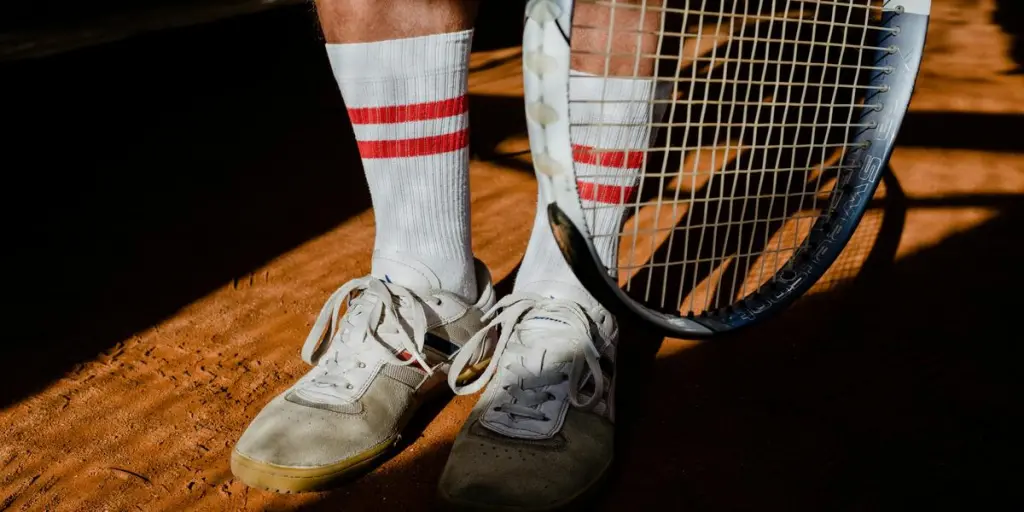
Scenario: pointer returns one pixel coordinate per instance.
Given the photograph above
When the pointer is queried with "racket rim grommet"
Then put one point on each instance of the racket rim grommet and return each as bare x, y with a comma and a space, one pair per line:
541, 112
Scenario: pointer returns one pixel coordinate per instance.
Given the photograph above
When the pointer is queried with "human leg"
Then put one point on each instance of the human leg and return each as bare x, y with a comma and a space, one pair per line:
402, 67
381, 344
542, 434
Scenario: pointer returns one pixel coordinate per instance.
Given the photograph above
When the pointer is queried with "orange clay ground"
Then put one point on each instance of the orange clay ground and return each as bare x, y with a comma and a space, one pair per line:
198, 197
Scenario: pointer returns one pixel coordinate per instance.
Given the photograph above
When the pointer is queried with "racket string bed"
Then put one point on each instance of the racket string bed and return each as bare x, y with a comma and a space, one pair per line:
769, 122
773, 91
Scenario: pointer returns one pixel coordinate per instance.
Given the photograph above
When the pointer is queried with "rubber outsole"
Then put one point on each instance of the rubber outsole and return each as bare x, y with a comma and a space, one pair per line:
288, 480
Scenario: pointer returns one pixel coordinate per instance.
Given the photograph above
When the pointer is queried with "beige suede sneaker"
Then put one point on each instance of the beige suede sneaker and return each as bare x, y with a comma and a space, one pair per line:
541, 436
374, 366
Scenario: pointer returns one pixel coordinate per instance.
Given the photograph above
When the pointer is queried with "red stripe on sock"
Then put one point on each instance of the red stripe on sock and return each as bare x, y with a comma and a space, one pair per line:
618, 159
607, 194
414, 147
405, 113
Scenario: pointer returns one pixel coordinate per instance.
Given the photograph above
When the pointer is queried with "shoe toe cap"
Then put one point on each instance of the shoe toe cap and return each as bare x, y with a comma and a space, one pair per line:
292, 435
486, 470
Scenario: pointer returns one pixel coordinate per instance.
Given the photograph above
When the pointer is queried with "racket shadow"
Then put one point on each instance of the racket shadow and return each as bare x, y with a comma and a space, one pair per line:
849, 400
867, 260
872, 248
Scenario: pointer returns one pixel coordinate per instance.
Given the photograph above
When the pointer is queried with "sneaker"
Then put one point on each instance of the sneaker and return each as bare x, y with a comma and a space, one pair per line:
374, 366
541, 435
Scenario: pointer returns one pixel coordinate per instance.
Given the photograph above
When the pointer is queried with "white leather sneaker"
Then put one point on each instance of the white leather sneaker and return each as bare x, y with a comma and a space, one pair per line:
374, 366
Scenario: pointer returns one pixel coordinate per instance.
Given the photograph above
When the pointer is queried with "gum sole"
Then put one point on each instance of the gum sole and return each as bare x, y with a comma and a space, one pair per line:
289, 480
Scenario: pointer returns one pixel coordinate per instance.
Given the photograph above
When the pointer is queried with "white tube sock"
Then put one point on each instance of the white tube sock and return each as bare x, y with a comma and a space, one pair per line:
407, 102
605, 179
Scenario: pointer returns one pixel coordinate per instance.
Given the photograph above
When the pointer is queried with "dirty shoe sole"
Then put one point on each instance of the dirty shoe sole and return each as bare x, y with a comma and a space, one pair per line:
287, 479
290, 479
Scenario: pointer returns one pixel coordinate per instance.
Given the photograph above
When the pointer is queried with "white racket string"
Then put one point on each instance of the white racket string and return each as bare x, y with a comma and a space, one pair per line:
831, 26
696, 163
652, 104
625, 5
723, 172
858, 64
668, 136
847, 134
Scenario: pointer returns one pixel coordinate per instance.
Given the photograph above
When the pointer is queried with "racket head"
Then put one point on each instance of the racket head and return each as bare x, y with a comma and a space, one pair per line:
893, 35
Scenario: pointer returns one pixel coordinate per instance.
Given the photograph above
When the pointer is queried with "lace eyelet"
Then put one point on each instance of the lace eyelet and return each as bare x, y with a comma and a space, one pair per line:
349, 386
551, 396
361, 364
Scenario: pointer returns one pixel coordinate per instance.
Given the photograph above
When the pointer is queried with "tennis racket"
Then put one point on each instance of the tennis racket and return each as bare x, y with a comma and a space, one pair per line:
703, 162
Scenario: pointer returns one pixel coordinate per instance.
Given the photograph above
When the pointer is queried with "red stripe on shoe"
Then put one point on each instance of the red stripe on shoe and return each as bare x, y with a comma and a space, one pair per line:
618, 159
607, 194
414, 147
405, 113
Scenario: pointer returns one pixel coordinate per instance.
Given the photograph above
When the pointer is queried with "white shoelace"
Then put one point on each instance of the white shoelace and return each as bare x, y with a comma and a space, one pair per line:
536, 329
369, 331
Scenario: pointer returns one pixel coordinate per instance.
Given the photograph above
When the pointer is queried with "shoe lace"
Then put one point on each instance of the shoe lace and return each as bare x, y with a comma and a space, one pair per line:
369, 330
538, 330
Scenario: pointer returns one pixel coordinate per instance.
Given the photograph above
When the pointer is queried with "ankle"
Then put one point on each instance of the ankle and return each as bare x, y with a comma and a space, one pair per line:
456, 276
426, 272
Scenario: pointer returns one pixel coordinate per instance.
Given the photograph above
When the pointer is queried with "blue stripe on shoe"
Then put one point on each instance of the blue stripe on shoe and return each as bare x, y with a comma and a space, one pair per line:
550, 319
440, 344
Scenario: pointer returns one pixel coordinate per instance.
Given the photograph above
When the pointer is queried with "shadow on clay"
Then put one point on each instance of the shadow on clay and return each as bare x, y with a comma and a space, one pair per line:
147, 173
1009, 15
873, 394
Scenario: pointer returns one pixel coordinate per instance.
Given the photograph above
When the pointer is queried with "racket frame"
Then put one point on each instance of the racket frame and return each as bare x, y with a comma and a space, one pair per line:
546, 64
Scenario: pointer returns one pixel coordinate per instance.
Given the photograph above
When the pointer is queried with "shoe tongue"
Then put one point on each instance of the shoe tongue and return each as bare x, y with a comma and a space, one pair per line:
559, 290
550, 328
404, 271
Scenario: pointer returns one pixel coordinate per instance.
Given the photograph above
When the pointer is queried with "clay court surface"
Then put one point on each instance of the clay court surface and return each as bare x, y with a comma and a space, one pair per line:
196, 195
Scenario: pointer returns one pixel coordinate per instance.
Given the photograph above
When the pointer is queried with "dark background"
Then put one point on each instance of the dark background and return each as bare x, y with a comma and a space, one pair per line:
142, 175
